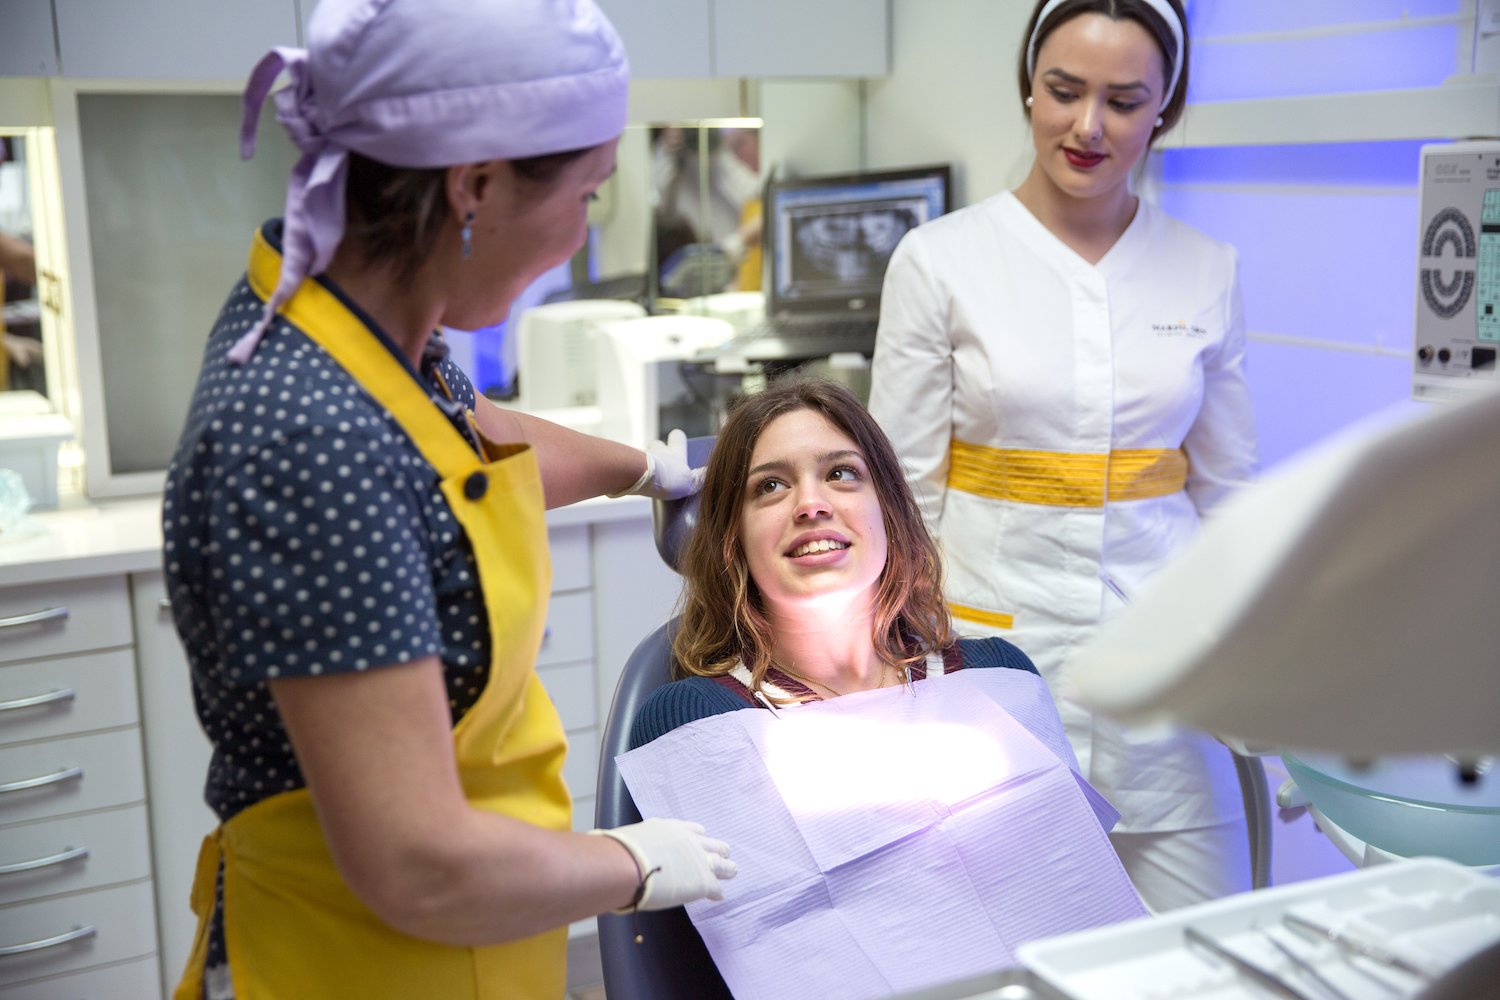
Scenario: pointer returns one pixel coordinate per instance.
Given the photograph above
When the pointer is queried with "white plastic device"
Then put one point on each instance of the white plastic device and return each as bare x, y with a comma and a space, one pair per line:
639, 371
1457, 342
557, 351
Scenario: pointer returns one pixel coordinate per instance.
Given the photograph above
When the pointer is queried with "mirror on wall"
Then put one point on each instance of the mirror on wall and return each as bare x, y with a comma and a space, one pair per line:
30, 281
706, 207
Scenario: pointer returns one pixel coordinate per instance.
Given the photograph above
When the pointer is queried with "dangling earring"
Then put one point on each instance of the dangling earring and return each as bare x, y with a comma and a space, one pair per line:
466, 250
1028, 102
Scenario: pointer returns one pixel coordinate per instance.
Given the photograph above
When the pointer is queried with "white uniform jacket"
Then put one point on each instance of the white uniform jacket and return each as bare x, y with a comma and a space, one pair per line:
1055, 417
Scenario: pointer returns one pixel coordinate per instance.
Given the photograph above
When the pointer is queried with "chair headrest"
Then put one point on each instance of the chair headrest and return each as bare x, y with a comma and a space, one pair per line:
673, 521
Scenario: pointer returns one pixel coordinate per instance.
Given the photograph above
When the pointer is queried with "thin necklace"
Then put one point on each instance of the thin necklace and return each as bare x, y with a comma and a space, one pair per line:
809, 682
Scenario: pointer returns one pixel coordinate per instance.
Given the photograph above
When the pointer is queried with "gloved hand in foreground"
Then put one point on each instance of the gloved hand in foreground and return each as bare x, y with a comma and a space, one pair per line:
678, 862
668, 475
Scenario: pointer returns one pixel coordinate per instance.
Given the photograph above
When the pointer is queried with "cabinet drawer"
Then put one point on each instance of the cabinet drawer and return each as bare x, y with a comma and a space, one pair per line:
117, 845
572, 691
581, 769
570, 629
124, 922
97, 617
570, 557
35, 704
112, 775
138, 980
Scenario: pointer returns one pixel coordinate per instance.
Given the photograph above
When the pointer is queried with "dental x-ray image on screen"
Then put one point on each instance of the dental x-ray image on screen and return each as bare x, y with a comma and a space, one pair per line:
833, 236
851, 243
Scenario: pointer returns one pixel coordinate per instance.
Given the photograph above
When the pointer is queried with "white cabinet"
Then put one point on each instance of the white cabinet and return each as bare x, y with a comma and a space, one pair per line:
565, 663
75, 860
135, 980
679, 39
664, 39
799, 38
177, 755
634, 594
26, 41
170, 39
120, 918
627, 593
99, 701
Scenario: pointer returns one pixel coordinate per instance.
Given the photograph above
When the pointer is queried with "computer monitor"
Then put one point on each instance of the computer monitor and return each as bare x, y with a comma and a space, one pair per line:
831, 237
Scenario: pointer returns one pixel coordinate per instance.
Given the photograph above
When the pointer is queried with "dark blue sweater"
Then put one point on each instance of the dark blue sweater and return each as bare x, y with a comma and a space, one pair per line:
683, 701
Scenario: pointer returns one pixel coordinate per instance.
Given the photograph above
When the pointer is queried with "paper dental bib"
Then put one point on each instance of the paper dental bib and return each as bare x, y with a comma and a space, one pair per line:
887, 841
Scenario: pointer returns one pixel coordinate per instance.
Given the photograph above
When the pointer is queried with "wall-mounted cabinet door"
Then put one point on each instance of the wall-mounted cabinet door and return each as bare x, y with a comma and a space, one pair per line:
26, 43
170, 39
665, 39
798, 38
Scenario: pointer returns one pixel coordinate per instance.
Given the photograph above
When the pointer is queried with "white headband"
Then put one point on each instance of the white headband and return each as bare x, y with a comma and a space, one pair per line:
1160, 6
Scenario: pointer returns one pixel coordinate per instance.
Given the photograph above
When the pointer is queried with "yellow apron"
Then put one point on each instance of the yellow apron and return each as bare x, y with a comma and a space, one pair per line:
292, 928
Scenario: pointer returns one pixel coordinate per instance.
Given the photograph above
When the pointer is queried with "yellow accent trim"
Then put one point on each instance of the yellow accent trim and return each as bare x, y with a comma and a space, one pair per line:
315, 308
992, 618
1144, 473
1061, 479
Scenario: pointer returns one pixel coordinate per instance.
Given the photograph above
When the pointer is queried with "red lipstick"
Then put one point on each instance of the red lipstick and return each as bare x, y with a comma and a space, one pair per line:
1083, 159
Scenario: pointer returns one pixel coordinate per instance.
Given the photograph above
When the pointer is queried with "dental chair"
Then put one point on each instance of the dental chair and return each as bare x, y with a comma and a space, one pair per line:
670, 961
658, 955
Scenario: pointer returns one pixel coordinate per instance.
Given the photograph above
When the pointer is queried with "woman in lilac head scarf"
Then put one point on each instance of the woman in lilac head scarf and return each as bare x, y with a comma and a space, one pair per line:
355, 540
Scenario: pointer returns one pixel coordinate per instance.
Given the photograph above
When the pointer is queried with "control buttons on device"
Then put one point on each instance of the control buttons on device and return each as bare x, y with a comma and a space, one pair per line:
1445, 355
1424, 353
1482, 357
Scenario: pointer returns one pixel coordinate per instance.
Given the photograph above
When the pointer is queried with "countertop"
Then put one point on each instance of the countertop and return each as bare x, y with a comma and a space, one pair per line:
97, 538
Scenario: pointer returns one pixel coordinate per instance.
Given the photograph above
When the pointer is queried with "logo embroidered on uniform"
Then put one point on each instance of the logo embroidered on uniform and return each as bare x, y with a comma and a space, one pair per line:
1181, 328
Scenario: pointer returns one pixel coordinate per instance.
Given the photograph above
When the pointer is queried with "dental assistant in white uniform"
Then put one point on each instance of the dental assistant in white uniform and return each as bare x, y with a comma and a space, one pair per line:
1061, 369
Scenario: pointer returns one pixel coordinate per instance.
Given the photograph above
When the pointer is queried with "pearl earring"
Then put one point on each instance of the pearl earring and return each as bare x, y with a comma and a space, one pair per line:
1158, 121
1028, 102
466, 250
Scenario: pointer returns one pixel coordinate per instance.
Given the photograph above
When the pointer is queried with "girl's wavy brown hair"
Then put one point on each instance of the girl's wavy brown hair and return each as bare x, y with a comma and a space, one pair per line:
723, 618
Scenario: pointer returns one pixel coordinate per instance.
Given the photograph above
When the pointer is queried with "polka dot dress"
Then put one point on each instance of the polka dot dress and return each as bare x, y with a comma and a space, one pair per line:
305, 535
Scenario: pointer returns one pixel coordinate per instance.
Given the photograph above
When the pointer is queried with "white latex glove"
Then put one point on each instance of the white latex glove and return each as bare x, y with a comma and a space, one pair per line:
668, 475
679, 861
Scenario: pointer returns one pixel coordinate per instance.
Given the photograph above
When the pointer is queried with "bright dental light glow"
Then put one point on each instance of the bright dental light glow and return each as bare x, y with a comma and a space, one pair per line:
824, 763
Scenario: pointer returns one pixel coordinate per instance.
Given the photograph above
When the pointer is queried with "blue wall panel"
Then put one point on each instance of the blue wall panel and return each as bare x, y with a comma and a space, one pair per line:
1324, 64
1384, 164
1217, 18
1236, 55
1327, 240
1301, 395
1330, 267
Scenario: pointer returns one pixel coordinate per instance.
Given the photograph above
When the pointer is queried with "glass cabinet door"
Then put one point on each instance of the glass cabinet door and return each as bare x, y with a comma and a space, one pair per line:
171, 210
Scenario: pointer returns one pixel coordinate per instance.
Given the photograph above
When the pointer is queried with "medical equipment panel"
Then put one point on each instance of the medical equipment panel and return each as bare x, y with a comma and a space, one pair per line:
1458, 270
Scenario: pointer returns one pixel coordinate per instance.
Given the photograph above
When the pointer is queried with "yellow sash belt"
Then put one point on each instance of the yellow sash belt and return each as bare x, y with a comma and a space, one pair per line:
1060, 479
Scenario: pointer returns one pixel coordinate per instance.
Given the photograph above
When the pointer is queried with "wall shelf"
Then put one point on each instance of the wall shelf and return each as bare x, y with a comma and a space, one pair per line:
1453, 111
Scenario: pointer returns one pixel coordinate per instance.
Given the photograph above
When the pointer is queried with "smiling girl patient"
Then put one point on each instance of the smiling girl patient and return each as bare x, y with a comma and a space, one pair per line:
810, 574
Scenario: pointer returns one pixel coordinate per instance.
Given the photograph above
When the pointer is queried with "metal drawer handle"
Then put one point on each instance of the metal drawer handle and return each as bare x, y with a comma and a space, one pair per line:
69, 854
62, 694
67, 774
76, 934
35, 616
